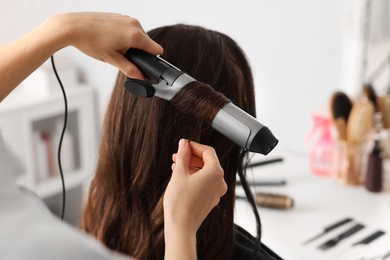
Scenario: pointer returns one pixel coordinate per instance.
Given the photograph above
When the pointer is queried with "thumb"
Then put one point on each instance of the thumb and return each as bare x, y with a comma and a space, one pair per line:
183, 157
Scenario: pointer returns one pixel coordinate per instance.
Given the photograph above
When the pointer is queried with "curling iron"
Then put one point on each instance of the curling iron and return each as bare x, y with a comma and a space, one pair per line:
166, 80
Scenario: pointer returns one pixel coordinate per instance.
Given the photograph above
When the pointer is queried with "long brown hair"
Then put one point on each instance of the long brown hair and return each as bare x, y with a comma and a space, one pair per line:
124, 208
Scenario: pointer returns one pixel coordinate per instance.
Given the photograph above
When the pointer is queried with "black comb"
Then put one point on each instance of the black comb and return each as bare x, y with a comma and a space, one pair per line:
333, 242
329, 228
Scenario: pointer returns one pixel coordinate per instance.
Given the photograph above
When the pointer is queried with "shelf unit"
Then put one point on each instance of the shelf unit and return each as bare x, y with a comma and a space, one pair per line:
22, 116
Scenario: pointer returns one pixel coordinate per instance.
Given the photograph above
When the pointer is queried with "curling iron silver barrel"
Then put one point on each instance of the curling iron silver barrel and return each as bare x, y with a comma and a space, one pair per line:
231, 121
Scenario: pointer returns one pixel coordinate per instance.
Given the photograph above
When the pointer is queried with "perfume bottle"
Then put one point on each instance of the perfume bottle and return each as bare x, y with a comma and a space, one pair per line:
321, 152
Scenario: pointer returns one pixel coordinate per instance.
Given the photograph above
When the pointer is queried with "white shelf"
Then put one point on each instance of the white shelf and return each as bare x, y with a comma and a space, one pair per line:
53, 186
23, 115
20, 100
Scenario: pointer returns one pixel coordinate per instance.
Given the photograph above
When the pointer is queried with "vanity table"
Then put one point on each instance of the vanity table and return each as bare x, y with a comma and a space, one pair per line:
317, 203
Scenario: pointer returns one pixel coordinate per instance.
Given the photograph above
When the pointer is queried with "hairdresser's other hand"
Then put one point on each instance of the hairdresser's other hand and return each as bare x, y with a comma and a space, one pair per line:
107, 37
103, 36
190, 194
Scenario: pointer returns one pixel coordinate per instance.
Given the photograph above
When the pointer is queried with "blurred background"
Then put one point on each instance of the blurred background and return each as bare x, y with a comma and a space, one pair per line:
294, 47
301, 52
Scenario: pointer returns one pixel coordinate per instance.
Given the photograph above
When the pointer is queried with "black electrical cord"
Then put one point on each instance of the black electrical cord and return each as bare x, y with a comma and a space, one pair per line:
248, 193
62, 136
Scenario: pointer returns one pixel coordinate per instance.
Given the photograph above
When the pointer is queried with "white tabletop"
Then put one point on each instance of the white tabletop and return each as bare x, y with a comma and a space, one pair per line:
317, 204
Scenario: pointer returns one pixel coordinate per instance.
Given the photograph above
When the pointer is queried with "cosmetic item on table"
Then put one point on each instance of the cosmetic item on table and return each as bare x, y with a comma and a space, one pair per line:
322, 150
374, 175
386, 175
328, 229
271, 200
370, 238
334, 241
340, 108
350, 162
360, 122
363, 243
370, 93
373, 180
351, 155
264, 162
265, 183
384, 107
386, 144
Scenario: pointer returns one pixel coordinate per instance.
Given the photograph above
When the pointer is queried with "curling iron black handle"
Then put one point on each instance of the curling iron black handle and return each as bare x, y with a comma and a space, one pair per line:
151, 66
141, 88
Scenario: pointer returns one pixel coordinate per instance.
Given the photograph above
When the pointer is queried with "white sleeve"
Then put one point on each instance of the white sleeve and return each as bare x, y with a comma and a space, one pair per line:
10, 165
28, 230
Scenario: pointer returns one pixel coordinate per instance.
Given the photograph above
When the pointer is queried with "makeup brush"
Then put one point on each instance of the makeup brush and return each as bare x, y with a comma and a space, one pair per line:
340, 108
370, 93
360, 122
384, 107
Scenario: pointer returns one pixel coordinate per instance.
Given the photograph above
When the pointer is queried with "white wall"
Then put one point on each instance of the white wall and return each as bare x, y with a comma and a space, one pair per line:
294, 47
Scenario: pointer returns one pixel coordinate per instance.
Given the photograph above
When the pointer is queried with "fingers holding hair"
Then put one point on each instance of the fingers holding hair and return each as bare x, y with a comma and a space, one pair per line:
195, 161
183, 157
193, 157
207, 154
189, 198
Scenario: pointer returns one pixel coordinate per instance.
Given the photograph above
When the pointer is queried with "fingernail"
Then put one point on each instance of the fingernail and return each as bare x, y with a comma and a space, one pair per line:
182, 143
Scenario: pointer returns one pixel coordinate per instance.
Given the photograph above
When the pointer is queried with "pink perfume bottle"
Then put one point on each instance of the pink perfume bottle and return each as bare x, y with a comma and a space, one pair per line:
321, 152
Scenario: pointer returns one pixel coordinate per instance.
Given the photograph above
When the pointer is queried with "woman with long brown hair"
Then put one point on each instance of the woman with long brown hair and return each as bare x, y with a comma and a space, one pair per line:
124, 208
28, 229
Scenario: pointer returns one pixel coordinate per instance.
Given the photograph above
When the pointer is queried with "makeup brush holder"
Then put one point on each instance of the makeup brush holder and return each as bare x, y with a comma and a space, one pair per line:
386, 144
386, 175
350, 162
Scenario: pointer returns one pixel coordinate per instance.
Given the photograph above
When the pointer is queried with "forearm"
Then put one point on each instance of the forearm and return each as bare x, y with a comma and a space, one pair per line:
103, 36
20, 58
179, 244
190, 196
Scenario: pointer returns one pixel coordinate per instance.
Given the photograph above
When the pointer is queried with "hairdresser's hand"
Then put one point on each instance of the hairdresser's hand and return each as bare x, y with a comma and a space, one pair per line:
195, 188
103, 36
196, 185
107, 37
